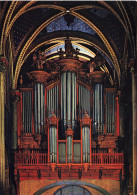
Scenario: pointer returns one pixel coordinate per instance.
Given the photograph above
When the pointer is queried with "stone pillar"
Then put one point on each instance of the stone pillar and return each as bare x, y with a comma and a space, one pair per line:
2, 125
134, 127
15, 99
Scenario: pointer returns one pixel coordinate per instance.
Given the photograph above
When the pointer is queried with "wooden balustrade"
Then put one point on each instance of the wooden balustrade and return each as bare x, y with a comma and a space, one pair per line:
25, 158
107, 158
31, 158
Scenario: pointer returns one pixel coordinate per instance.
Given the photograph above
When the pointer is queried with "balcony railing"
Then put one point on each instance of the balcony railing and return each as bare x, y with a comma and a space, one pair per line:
107, 158
42, 158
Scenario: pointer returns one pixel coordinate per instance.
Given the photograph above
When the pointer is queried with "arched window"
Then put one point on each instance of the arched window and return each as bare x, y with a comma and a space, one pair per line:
72, 190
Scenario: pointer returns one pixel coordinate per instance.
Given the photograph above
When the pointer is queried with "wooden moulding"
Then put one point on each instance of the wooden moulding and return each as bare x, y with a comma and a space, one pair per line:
38, 76
69, 64
97, 76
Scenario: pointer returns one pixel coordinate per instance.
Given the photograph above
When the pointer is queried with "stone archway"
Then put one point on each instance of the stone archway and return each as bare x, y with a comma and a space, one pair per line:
67, 182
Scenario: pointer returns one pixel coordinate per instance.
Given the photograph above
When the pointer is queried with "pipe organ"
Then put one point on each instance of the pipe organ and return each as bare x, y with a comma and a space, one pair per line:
68, 116
69, 100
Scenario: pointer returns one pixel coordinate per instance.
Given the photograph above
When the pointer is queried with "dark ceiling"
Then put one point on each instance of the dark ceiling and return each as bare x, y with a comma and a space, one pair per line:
93, 26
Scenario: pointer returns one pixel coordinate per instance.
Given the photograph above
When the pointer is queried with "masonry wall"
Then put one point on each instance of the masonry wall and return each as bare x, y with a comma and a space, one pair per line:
31, 186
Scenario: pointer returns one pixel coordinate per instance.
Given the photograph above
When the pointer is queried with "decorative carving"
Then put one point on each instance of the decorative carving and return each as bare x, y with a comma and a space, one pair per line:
97, 76
69, 64
38, 76
69, 50
40, 61
61, 54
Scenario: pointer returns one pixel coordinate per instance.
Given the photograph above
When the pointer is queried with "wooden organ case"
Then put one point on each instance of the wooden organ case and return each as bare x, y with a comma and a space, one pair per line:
68, 124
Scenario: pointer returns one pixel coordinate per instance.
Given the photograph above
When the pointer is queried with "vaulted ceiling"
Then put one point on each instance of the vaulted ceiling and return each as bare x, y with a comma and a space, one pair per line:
94, 27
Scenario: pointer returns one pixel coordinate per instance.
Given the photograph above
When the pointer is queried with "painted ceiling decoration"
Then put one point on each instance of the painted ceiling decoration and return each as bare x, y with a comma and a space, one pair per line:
93, 27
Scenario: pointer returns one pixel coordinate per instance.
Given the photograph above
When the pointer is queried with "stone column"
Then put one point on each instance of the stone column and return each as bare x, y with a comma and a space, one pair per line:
2, 126
134, 127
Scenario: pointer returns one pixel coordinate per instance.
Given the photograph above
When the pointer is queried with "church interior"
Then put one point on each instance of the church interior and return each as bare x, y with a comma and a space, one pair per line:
68, 98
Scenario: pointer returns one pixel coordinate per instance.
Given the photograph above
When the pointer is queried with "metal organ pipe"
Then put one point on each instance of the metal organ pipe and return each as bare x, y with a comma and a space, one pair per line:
69, 149
86, 143
110, 112
53, 138
68, 99
98, 116
27, 111
53, 101
84, 101
52, 107
39, 107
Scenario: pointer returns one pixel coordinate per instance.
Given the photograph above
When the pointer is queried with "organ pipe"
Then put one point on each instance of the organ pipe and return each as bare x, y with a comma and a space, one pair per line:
84, 101
98, 107
69, 149
110, 112
27, 111
86, 144
53, 101
53, 138
39, 107
86, 122
69, 137
68, 99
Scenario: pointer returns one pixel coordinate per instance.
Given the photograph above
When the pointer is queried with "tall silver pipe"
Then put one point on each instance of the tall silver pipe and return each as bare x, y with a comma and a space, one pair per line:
35, 108
57, 101
55, 145
75, 96
53, 142
88, 144
83, 143
79, 99
50, 143
69, 149
64, 99
62, 102
48, 103
41, 106
69, 98
73, 101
